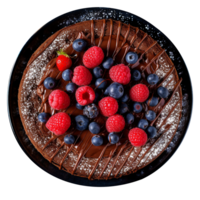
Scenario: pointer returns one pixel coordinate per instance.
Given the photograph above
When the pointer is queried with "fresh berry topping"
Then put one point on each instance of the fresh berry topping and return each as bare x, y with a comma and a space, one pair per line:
100, 83
124, 98
98, 72
97, 96
82, 76
63, 61
59, 123
43, 117
79, 45
139, 93
113, 138
131, 57
120, 73
58, 100
151, 132
78, 106
91, 111
129, 118
69, 139
153, 101
81, 122
162, 92
143, 124
107, 64
71, 87
67, 75
115, 123
136, 75
106, 93
85, 95
93, 57
97, 140
94, 128
152, 79
137, 107
49, 83
115, 90
150, 115
108, 106
123, 108
137, 137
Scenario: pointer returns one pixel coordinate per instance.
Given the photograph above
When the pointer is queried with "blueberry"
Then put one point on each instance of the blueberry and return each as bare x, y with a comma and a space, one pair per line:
153, 101
97, 95
79, 45
67, 75
123, 108
162, 92
108, 63
69, 139
43, 117
124, 98
152, 79
143, 124
81, 122
116, 90
137, 107
98, 72
49, 83
94, 128
106, 92
100, 83
97, 140
131, 57
71, 87
151, 132
91, 111
113, 138
129, 118
136, 75
150, 115
78, 106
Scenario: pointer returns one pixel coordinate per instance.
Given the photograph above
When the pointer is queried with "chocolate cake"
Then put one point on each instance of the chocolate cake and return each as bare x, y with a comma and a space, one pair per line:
108, 160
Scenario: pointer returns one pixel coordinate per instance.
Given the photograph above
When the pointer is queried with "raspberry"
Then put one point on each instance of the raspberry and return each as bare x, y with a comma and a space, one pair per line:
139, 93
59, 123
120, 73
108, 106
93, 57
137, 137
82, 76
58, 99
63, 62
115, 123
85, 95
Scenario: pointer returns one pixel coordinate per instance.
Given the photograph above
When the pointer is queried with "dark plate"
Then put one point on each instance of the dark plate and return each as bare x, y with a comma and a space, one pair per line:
82, 15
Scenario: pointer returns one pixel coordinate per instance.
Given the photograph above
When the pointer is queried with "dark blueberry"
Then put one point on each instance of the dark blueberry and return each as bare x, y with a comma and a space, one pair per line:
131, 57
113, 138
107, 64
94, 128
143, 124
136, 75
151, 132
69, 139
129, 118
71, 87
137, 107
49, 83
106, 92
67, 75
79, 45
123, 108
101, 83
43, 117
162, 92
91, 111
150, 115
152, 79
124, 98
98, 72
116, 90
97, 95
81, 122
97, 140
153, 101
78, 106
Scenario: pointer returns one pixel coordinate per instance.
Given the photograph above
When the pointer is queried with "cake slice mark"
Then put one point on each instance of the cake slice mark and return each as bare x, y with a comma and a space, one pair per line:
166, 76
110, 37
92, 33
102, 32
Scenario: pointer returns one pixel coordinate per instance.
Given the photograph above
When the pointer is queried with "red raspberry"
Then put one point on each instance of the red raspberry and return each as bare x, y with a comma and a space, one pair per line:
82, 76
59, 123
115, 123
108, 106
120, 73
93, 57
58, 100
137, 137
139, 93
85, 95
63, 62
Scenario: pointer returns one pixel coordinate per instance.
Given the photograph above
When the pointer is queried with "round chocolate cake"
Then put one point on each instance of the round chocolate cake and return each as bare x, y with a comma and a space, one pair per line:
100, 99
